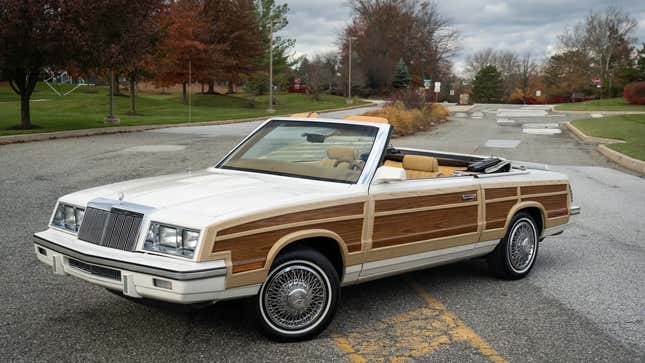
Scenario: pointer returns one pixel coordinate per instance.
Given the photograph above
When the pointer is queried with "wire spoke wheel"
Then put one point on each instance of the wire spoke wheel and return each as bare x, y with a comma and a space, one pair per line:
522, 246
296, 297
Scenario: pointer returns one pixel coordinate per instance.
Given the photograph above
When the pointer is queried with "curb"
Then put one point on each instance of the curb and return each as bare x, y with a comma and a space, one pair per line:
621, 159
601, 112
24, 138
591, 139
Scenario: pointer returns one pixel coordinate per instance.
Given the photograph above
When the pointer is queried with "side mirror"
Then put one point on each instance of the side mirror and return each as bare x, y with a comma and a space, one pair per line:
388, 174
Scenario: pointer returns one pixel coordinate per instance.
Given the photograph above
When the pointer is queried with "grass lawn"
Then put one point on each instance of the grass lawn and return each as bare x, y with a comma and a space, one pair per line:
609, 104
87, 107
629, 128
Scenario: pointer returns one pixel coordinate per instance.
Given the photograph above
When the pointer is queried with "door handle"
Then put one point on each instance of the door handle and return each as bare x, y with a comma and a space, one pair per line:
469, 196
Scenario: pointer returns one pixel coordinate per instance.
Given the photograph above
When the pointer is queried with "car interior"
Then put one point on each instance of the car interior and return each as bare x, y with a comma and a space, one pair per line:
427, 165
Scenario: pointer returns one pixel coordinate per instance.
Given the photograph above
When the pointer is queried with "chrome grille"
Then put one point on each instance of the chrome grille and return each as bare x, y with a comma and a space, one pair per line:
116, 228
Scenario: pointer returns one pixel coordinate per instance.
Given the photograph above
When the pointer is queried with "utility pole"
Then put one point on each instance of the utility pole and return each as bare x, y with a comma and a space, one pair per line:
349, 86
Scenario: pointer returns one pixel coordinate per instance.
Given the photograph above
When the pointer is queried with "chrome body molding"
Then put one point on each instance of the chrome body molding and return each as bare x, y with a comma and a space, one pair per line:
397, 265
575, 210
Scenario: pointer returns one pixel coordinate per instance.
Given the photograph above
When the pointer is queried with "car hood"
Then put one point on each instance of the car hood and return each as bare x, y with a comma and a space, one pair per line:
201, 198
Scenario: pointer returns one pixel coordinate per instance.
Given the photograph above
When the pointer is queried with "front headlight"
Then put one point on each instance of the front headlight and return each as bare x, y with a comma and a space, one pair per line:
171, 240
68, 217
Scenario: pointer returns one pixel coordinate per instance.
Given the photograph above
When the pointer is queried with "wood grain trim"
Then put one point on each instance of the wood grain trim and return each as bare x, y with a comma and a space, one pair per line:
541, 189
555, 205
406, 228
253, 249
496, 193
311, 215
386, 205
497, 213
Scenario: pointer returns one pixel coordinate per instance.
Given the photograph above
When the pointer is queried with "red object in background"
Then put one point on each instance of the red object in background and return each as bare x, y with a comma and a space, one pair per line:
634, 93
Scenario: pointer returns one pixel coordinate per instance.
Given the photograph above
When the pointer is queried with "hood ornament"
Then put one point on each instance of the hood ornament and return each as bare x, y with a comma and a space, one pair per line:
121, 196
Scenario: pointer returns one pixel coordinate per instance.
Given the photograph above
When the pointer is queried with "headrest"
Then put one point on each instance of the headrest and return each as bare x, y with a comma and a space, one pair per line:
420, 163
342, 153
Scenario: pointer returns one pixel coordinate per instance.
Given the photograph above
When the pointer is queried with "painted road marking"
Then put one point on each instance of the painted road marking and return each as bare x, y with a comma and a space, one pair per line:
531, 131
502, 144
412, 335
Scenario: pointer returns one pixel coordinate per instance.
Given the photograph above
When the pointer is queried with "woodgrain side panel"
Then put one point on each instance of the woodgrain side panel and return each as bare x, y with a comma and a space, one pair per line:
322, 213
540, 189
423, 201
555, 205
252, 250
404, 228
495, 193
496, 213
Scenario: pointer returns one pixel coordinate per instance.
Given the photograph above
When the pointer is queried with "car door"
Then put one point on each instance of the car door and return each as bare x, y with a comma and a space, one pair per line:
421, 222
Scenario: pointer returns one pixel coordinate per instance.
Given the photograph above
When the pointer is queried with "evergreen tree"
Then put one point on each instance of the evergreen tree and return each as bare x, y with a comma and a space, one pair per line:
401, 77
488, 85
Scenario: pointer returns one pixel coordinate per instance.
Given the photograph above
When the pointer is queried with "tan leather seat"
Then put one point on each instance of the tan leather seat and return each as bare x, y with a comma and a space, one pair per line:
394, 164
420, 167
342, 157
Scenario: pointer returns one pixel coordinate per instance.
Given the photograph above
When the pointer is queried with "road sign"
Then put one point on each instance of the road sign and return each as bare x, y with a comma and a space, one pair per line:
437, 87
452, 92
538, 93
427, 83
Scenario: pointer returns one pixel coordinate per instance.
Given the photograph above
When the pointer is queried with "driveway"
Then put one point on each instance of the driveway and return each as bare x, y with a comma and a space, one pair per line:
582, 302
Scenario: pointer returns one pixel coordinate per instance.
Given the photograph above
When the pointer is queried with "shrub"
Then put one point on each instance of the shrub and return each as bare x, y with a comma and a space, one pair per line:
634, 93
409, 121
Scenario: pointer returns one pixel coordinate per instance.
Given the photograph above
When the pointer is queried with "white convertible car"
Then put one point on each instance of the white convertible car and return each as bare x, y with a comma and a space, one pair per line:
298, 209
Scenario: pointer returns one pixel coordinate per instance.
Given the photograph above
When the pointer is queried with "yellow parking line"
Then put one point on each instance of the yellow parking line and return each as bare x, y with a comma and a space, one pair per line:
344, 345
461, 332
412, 335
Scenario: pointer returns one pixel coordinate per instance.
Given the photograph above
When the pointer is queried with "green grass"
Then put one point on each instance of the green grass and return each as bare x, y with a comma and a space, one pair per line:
87, 107
608, 104
629, 128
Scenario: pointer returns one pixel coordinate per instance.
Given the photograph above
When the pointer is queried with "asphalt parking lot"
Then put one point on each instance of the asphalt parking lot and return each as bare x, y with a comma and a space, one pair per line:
582, 302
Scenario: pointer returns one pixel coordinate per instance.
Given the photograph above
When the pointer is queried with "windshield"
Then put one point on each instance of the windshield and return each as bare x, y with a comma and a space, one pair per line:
313, 150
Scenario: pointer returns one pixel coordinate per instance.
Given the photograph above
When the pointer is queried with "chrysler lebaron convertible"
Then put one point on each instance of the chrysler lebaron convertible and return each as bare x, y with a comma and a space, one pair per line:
301, 207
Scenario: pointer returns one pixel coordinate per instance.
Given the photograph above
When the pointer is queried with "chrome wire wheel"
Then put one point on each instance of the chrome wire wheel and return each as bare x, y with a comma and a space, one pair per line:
522, 246
296, 297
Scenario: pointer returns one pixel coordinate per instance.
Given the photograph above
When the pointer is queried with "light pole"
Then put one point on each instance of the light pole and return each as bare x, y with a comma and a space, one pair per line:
111, 119
270, 109
349, 83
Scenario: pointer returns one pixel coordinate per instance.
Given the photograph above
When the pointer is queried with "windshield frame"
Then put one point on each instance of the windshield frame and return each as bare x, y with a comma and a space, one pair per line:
376, 152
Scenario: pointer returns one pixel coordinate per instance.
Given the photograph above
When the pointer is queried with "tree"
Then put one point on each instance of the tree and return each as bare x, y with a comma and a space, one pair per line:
401, 76
241, 37
186, 41
272, 18
34, 34
488, 85
605, 38
567, 73
385, 31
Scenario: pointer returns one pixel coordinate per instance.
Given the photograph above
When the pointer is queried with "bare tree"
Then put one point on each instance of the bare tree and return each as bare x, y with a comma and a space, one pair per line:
601, 35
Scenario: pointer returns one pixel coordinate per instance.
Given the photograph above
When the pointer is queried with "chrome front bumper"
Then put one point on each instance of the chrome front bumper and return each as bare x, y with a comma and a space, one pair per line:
139, 275
575, 210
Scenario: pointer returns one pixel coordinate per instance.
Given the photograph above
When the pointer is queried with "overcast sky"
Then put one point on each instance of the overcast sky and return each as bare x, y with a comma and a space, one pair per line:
518, 25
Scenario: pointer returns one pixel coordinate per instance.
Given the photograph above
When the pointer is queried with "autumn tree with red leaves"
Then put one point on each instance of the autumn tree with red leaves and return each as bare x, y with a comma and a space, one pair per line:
186, 41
